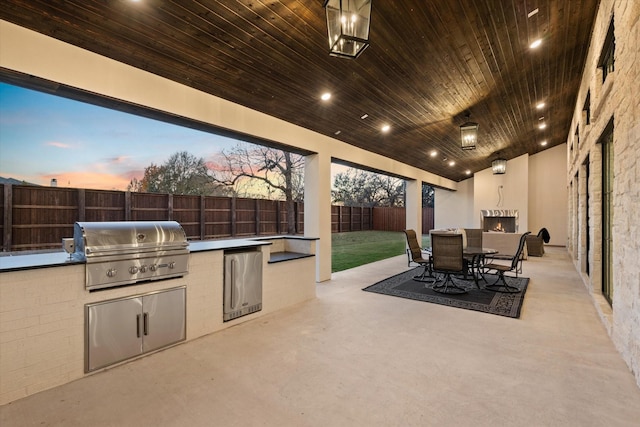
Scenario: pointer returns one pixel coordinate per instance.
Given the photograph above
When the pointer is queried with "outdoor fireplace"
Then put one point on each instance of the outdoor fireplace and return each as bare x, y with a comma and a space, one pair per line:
499, 220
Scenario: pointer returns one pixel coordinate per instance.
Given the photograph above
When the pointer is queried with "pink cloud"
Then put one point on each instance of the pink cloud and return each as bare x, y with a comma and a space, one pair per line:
93, 180
58, 144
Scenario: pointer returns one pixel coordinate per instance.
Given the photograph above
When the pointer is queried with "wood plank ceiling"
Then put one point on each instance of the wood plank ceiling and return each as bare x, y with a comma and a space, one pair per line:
429, 62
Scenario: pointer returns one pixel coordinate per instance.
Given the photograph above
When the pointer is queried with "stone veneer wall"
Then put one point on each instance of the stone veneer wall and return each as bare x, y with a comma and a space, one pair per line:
617, 98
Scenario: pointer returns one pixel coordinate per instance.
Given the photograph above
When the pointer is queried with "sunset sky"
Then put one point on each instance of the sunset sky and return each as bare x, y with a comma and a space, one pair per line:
44, 136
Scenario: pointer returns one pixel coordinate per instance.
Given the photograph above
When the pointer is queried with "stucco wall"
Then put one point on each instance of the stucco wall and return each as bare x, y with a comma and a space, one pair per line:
534, 185
454, 209
548, 193
508, 191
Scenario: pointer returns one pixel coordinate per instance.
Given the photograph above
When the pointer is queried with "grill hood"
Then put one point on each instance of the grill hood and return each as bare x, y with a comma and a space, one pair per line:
97, 240
127, 252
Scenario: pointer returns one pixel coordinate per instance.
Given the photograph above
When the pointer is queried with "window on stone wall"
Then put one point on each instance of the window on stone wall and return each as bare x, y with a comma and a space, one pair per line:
586, 110
606, 141
606, 61
577, 137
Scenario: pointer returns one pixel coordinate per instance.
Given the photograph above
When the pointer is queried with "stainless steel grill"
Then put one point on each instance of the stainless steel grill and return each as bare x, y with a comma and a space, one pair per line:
121, 253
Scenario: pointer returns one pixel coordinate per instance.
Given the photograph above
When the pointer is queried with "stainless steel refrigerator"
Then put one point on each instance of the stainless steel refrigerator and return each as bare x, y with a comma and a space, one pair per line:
242, 284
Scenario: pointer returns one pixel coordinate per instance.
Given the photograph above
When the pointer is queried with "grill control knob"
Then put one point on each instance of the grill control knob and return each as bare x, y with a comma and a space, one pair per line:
153, 267
133, 269
112, 272
172, 264
143, 269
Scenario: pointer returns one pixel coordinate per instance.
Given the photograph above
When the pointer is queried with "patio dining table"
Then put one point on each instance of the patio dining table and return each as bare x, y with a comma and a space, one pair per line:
477, 254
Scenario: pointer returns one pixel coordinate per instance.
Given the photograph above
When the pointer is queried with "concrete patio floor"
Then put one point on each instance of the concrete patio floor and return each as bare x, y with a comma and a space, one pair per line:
353, 358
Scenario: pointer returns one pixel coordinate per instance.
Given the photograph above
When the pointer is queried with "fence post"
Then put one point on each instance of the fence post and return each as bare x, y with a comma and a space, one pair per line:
127, 206
8, 217
278, 217
169, 207
82, 204
256, 212
350, 218
203, 217
232, 216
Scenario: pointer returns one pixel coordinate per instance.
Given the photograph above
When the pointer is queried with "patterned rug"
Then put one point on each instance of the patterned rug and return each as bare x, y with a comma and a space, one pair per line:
503, 304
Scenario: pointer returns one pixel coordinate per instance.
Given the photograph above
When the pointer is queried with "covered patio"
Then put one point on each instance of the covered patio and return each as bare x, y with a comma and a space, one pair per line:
353, 358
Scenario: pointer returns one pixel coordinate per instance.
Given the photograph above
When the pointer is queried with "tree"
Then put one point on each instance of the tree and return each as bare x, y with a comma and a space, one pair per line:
428, 196
182, 173
356, 187
258, 171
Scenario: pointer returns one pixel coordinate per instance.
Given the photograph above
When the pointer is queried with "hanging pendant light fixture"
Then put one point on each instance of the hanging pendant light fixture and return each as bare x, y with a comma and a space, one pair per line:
348, 26
469, 134
499, 166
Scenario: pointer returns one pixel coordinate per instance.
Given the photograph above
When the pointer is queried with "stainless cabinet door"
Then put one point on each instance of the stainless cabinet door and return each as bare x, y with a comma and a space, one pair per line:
242, 280
114, 332
164, 318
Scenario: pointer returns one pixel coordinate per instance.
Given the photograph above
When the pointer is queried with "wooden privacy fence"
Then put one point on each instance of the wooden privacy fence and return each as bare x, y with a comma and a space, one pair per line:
40, 217
394, 219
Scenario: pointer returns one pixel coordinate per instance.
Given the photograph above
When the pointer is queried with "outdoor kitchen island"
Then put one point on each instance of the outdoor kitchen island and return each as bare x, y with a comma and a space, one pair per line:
43, 302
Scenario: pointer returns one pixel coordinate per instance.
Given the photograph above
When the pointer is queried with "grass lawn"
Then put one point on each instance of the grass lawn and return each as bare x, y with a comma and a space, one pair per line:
356, 248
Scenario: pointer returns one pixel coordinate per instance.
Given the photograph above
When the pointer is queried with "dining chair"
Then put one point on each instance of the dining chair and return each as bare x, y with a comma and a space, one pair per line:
417, 256
474, 237
446, 257
501, 269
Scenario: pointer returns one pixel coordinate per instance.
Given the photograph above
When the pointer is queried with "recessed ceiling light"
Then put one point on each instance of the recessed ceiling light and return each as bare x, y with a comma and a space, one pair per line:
536, 43
338, 132
325, 96
452, 163
364, 116
540, 105
433, 153
533, 12
385, 128
542, 125
543, 143
467, 172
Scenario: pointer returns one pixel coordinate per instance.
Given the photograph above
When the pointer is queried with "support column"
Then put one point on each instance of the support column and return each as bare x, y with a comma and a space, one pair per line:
317, 210
414, 206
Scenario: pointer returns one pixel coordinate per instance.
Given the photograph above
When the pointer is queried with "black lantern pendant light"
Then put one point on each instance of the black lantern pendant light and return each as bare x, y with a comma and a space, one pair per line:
348, 26
499, 166
469, 134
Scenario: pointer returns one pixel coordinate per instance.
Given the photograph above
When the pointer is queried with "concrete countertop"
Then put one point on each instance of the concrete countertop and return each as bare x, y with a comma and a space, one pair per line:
18, 261
26, 261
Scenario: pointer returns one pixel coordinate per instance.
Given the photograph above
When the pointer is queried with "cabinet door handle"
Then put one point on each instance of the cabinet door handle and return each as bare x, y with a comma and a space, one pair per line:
146, 323
138, 325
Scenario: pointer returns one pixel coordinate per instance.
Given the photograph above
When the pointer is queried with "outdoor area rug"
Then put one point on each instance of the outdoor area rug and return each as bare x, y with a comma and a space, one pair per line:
503, 304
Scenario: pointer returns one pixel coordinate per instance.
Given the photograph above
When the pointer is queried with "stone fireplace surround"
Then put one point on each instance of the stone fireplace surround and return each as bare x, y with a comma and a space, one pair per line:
500, 220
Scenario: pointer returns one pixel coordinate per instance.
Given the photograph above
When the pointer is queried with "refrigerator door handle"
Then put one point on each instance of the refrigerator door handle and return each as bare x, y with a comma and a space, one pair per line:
233, 283
138, 325
146, 323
